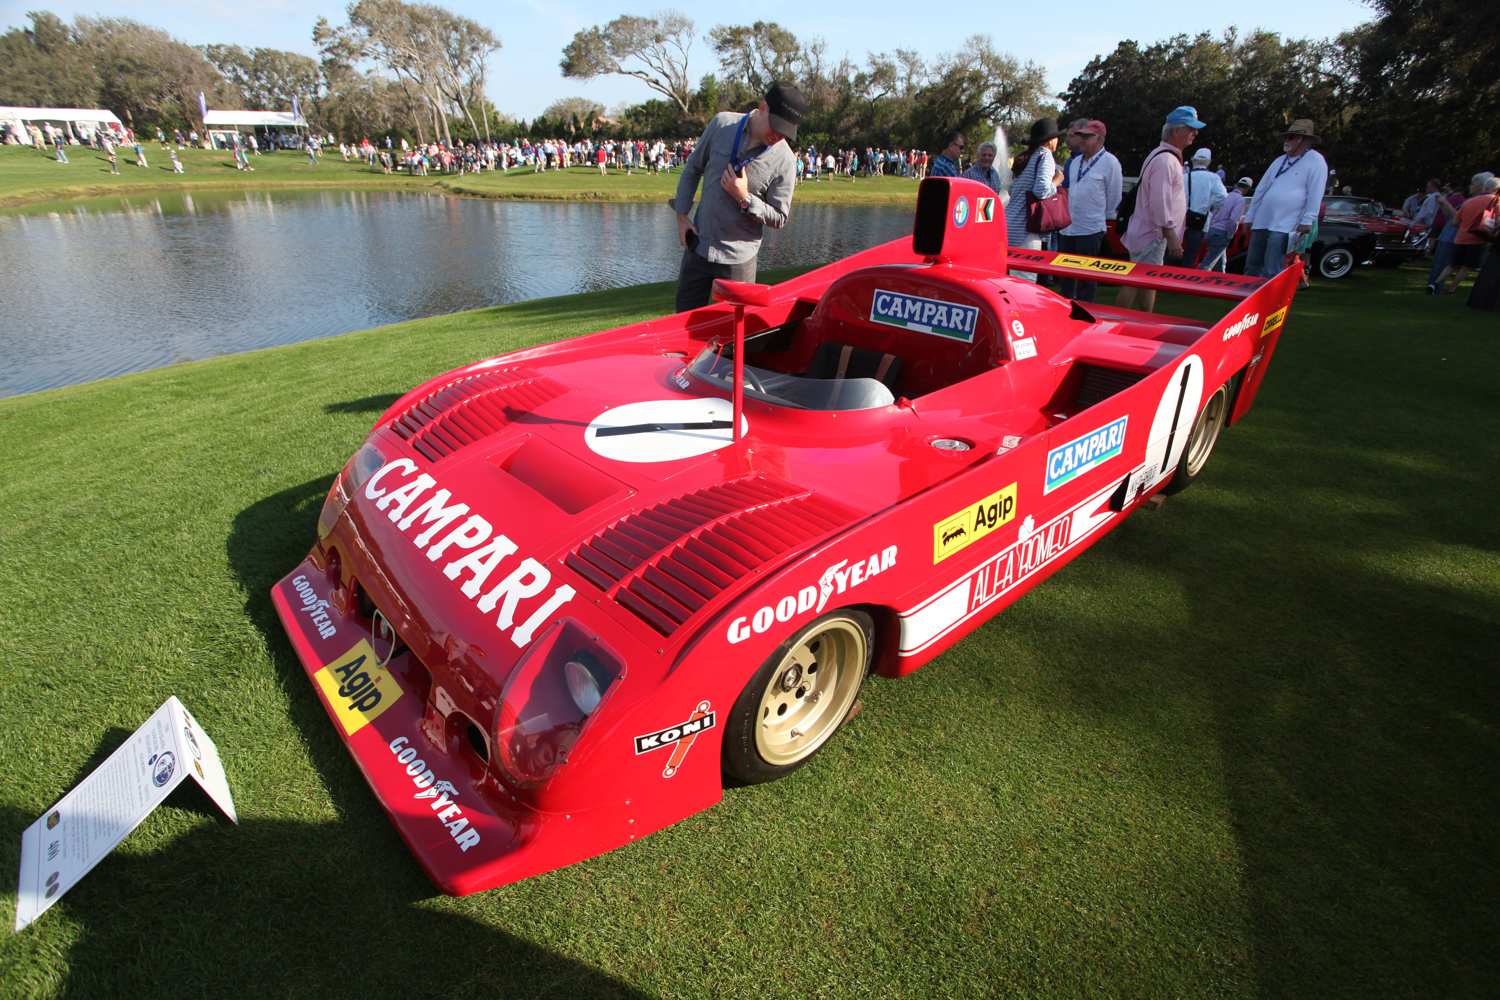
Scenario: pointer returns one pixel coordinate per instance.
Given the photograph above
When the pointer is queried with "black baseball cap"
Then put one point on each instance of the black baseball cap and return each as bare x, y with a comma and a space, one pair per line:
787, 106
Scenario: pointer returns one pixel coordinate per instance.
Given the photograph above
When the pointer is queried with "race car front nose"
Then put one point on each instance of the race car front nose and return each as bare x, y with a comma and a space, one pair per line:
468, 830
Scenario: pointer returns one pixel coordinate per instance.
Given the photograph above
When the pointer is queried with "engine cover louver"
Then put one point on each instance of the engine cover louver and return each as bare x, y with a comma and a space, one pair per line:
472, 409
667, 561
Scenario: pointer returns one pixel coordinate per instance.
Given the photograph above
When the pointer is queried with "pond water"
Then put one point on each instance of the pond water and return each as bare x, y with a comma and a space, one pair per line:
102, 287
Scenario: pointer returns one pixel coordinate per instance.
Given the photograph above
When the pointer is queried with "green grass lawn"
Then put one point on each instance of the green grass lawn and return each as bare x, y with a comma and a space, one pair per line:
28, 176
1246, 746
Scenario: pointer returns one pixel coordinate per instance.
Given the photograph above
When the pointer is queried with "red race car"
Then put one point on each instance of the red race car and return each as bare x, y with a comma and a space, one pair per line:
558, 595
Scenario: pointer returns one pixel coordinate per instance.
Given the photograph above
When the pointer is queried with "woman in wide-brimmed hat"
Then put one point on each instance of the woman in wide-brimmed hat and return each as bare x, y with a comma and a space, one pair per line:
1034, 172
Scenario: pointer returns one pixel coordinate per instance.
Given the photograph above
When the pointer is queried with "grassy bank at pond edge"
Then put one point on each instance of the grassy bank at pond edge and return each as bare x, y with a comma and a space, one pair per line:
1245, 746
28, 176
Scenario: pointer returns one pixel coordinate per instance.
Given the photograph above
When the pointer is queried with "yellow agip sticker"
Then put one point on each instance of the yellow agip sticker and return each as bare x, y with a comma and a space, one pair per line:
1099, 264
1273, 322
357, 689
953, 534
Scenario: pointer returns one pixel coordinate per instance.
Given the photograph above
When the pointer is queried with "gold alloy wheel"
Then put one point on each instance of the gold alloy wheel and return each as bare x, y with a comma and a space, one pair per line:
810, 692
1206, 431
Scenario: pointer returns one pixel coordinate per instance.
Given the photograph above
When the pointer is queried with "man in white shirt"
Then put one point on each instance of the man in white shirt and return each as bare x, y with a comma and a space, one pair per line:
1205, 196
1092, 176
1410, 206
1428, 213
1286, 201
1225, 222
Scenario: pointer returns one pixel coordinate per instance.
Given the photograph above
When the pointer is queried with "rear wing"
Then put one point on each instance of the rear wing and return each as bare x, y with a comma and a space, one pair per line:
1154, 277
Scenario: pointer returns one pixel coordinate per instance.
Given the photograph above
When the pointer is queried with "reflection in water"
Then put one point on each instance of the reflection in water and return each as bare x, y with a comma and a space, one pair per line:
114, 285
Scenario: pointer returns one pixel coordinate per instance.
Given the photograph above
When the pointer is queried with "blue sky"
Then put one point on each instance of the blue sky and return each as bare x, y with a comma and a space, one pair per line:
524, 77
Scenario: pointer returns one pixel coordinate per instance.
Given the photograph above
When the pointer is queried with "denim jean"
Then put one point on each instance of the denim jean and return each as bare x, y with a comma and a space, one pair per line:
1083, 246
1267, 251
1218, 245
1190, 244
1442, 256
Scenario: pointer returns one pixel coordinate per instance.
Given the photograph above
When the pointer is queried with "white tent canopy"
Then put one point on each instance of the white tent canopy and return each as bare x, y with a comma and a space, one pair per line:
94, 118
89, 115
266, 119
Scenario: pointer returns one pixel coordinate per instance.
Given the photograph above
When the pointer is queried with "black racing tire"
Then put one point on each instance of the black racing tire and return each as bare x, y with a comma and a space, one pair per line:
1335, 262
1201, 439
799, 697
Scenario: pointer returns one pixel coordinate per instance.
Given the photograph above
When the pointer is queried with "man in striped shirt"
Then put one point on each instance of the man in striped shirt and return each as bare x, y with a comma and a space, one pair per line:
983, 169
947, 163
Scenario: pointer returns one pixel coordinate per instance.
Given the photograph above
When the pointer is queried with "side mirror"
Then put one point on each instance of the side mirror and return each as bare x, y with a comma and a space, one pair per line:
741, 293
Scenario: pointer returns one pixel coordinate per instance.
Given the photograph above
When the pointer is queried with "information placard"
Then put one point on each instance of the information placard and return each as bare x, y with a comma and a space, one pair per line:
86, 824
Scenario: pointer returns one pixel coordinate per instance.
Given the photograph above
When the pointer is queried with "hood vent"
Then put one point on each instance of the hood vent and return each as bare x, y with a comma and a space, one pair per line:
472, 409
666, 562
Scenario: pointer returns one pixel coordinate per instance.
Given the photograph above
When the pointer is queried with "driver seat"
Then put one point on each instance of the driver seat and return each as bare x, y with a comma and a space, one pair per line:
841, 361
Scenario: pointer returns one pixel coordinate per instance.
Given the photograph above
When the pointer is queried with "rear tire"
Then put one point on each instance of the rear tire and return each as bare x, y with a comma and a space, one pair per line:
1201, 439
799, 697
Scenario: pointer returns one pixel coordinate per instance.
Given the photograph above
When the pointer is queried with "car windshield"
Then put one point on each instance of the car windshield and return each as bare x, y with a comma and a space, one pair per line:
715, 365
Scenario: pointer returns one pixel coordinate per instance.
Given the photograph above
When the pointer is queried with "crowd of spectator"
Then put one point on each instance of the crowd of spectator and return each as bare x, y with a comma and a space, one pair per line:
1181, 210
651, 156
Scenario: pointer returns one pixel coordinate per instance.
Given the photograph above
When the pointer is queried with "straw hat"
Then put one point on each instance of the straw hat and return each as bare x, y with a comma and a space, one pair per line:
1301, 128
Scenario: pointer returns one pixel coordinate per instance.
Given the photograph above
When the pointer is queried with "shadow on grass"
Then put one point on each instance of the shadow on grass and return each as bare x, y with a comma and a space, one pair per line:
1321, 608
268, 538
272, 908
273, 900
370, 404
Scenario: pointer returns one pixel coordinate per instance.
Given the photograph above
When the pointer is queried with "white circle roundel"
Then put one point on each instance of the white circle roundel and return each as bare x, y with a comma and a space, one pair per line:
663, 430
1177, 410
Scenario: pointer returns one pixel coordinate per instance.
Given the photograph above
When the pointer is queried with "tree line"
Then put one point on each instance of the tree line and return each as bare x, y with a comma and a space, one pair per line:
413, 68
1414, 93
890, 100
1411, 95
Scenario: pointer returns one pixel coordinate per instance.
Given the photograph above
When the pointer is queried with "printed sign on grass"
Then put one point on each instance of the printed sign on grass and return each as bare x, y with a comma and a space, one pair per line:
86, 824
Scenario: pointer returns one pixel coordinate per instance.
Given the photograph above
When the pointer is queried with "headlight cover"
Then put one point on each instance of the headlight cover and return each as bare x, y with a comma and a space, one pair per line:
548, 700
346, 484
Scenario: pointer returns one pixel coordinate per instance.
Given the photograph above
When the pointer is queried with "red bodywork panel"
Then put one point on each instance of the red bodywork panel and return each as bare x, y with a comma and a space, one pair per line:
581, 510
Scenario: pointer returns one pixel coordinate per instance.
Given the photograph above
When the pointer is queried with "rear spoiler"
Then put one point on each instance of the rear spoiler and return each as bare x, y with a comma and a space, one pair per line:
1155, 277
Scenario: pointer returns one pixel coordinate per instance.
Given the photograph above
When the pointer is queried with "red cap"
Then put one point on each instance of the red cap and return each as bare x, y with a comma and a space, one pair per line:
1095, 126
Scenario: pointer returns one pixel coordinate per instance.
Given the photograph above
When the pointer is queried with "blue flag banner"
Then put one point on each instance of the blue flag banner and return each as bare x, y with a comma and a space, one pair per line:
295, 112
202, 105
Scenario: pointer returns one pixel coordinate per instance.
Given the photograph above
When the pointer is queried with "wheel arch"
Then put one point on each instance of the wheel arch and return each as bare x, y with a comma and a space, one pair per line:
885, 657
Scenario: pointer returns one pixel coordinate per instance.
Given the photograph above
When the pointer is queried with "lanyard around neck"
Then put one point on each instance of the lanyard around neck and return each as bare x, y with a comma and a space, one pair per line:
1087, 164
1288, 163
734, 155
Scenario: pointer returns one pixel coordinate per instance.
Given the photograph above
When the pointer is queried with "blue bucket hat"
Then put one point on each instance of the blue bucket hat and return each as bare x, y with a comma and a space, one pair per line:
1185, 115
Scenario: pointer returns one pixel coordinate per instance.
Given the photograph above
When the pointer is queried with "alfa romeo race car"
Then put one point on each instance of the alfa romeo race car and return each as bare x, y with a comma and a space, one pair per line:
558, 595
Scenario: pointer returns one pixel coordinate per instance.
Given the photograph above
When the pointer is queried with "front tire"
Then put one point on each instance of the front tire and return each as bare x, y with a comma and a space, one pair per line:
799, 697
1335, 262
1201, 439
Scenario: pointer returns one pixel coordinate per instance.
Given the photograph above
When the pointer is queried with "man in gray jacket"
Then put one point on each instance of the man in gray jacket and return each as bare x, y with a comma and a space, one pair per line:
748, 176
